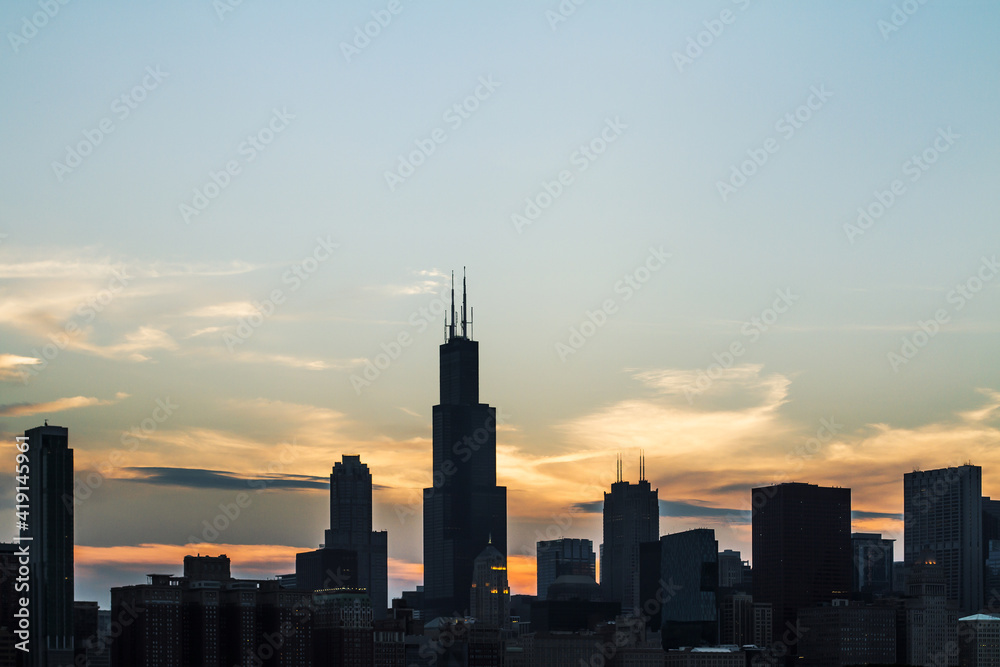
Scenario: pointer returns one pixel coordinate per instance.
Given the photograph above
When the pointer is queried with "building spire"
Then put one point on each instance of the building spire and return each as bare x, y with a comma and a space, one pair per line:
465, 324
451, 327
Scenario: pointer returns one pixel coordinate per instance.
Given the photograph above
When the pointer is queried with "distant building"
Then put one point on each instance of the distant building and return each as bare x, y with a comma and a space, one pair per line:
944, 514
847, 634
689, 614
801, 549
743, 621
706, 656
489, 596
343, 631
931, 619
979, 644
631, 517
50, 527
873, 558
563, 556
575, 604
731, 570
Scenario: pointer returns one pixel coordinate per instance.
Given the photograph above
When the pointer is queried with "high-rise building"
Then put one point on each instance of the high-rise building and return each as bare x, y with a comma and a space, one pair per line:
351, 529
848, 634
50, 526
689, 616
980, 640
731, 568
872, 557
930, 618
943, 512
489, 601
343, 631
801, 548
464, 510
563, 556
631, 517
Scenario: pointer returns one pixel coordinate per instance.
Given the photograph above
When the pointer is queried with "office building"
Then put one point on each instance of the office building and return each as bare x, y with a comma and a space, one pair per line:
979, 644
943, 512
689, 615
847, 634
464, 510
930, 617
631, 517
801, 548
872, 556
489, 597
50, 526
556, 558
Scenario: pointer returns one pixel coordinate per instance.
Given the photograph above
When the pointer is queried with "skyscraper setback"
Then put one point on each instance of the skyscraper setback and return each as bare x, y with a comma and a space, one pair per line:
464, 510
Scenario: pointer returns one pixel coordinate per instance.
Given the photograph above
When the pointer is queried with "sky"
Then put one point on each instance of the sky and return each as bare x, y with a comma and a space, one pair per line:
756, 241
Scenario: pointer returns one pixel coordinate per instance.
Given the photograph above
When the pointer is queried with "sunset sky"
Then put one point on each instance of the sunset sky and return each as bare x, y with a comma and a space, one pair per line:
757, 241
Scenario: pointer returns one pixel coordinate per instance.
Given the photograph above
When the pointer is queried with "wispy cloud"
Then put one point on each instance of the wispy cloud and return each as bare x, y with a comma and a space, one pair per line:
12, 366
50, 407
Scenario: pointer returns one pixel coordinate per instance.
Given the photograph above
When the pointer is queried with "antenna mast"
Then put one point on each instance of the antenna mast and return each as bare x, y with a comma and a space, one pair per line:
451, 327
464, 321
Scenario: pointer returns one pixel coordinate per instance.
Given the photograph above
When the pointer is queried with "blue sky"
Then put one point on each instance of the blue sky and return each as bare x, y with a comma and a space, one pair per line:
356, 264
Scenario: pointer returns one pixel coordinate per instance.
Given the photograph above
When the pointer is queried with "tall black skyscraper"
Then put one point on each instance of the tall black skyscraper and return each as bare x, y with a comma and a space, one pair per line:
464, 509
351, 529
50, 526
631, 517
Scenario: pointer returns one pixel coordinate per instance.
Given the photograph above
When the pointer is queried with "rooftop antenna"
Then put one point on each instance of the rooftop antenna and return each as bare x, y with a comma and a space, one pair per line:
642, 466
464, 321
451, 327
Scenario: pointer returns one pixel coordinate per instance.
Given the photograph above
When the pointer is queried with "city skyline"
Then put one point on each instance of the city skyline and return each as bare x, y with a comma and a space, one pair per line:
227, 293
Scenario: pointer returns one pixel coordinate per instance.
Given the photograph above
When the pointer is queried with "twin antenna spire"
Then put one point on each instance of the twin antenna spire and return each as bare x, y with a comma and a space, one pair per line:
466, 323
642, 467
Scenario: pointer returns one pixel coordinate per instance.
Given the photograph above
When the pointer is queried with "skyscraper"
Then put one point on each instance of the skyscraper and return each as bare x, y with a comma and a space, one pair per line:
351, 529
872, 556
801, 548
50, 526
631, 517
464, 510
690, 561
943, 514
563, 556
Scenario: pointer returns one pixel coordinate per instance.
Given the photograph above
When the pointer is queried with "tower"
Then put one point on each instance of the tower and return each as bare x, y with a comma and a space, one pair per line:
351, 529
464, 507
943, 512
631, 517
489, 597
50, 526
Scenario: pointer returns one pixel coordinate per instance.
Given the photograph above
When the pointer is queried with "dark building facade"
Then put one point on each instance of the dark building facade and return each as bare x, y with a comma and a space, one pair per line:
844, 634
690, 561
50, 526
801, 548
464, 510
631, 517
872, 556
351, 529
943, 512
563, 556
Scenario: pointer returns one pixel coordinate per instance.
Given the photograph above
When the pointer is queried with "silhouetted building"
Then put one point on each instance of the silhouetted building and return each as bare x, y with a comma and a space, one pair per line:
731, 571
873, 558
689, 615
351, 528
979, 644
930, 617
575, 603
944, 514
743, 621
631, 517
801, 548
464, 509
706, 656
343, 628
991, 575
153, 636
563, 556
326, 568
845, 634
50, 527
489, 596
